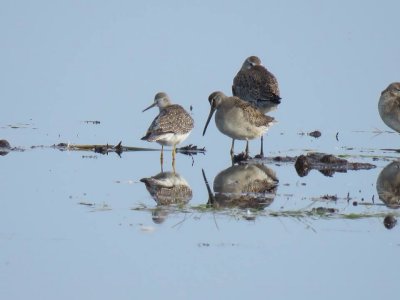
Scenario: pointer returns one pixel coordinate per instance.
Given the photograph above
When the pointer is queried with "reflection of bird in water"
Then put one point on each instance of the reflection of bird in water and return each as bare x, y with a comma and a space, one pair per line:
4, 147
168, 188
255, 84
388, 185
237, 119
389, 106
243, 186
172, 125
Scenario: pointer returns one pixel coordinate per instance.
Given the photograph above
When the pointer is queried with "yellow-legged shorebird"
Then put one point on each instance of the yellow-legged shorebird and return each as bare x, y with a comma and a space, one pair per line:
172, 125
255, 84
237, 119
389, 106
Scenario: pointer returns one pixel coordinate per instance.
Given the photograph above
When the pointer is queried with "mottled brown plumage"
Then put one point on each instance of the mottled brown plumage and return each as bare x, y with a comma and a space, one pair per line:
389, 106
168, 188
251, 115
255, 84
243, 186
171, 119
388, 185
172, 125
237, 118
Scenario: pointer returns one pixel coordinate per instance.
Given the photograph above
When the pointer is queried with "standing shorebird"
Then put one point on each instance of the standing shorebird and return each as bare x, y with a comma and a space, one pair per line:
389, 106
172, 125
255, 84
237, 119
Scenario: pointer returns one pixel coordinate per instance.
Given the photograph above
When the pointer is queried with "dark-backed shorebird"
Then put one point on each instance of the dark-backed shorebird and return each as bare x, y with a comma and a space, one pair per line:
172, 125
237, 119
255, 84
389, 106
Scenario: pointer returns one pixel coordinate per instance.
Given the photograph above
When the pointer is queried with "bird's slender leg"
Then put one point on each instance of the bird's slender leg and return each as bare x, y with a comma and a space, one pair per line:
173, 157
162, 156
246, 151
173, 153
173, 166
233, 145
262, 147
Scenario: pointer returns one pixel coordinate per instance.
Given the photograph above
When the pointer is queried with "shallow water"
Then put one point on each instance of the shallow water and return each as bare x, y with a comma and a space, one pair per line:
79, 224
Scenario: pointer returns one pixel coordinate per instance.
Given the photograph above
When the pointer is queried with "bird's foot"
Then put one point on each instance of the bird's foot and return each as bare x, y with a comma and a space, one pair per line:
244, 156
259, 156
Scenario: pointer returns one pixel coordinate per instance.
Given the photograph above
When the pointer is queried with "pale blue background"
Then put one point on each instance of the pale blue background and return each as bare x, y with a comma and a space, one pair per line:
64, 62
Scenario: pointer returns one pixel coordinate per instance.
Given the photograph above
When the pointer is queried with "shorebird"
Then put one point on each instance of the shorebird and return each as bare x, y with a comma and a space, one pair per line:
237, 119
255, 84
172, 125
389, 106
243, 186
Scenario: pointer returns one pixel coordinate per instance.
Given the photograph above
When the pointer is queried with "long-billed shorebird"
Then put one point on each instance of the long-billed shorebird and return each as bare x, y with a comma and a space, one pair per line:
237, 119
389, 106
255, 84
172, 125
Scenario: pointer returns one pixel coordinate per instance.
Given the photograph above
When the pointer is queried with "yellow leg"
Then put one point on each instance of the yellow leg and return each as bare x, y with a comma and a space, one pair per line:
173, 157
173, 166
162, 156
173, 153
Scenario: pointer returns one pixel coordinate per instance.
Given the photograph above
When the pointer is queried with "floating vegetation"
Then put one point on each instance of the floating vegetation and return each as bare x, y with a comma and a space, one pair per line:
119, 148
161, 213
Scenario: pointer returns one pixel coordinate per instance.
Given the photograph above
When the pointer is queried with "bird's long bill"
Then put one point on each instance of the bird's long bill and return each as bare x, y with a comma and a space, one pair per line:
211, 198
212, 110
154, 104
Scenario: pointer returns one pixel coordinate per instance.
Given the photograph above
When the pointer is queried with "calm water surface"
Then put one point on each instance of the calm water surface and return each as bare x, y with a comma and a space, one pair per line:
81, 225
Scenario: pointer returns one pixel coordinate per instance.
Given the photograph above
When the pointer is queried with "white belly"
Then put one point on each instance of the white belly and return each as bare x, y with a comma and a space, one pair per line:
170, 139
232, 124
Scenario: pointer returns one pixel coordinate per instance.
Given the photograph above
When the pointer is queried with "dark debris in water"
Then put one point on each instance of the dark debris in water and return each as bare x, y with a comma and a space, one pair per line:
327, 164
240, 158
389, 221
329, 197
315, 134
119, 148
92, 122
191, 150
